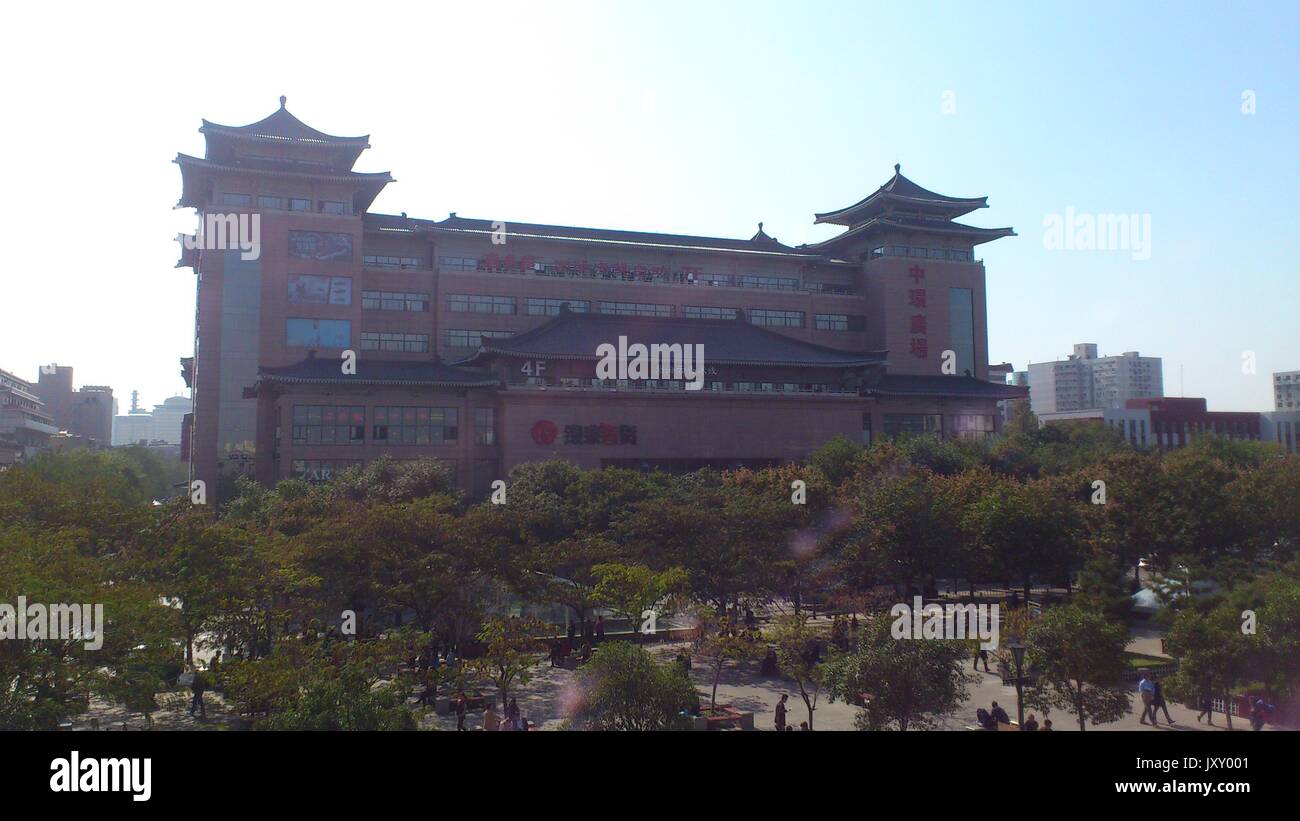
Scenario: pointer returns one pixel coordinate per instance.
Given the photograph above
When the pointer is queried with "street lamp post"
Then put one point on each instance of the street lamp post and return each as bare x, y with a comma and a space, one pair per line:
1018, 653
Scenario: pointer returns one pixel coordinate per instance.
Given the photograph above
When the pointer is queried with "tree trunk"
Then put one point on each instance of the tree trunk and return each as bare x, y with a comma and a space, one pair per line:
713, 700
1227, 709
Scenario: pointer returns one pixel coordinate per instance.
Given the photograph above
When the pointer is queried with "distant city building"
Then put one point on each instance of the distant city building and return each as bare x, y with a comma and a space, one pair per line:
1084, 381
1282, 427
1166, 422
86, 413
25, 424
1286, 390
161, 425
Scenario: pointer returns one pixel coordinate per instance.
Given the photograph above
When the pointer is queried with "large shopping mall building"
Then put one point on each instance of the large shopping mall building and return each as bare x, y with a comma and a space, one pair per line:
476, 341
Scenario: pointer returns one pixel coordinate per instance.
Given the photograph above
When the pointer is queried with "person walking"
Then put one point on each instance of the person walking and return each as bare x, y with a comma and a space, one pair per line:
980, 655
1158, 701
1207, 708
1147, 692
461, 707
600, 628
780, 712
198, 687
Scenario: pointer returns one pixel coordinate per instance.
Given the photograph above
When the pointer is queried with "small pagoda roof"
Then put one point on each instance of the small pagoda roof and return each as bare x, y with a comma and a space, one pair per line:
901, 192
966, 387
282, 126
327, 370
576, 336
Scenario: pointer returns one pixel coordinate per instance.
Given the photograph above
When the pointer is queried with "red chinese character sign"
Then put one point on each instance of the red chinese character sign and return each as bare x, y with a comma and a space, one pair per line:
916, 298
545, 432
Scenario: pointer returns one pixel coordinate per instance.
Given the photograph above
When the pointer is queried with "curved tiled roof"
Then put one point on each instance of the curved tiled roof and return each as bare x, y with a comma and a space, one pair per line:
321, 370
282, 126
726, 342
902, 189
897, 384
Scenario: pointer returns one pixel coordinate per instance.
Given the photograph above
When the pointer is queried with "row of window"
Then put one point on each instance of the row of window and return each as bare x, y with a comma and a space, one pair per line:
393, 341
679, 385
964, 426
274, 203
394, 301
537, 306
385, 261
917, 252
346, 425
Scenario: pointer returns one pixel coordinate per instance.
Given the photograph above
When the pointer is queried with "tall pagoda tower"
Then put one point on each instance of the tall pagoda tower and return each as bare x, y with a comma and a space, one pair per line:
288, 194
924, 288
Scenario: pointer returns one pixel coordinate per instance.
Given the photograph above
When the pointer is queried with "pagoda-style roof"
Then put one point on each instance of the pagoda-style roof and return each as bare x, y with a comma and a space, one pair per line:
196, 170
283, 129
966, 387
576, 336
326, 370
894, 224
901, 193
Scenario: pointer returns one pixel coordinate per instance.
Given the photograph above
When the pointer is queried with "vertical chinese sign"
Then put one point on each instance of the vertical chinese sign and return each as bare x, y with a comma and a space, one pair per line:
916, 302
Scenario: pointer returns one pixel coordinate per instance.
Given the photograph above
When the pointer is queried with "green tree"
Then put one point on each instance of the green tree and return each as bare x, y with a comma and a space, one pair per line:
1078, 656
798, 655
908, 683
623, 688
511, 651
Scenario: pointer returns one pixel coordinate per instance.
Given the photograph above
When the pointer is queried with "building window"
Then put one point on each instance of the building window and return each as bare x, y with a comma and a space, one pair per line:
973, 426
706, 312
328, 424
308, 289
332, 207
485, 432
776, 319
396, 342
472, 339
318, 333
458, 263
414, 426
480, 304
839, 322
913, 424
237, 200
541, 306
394, 301
757, 281
385, 261
322, 470
866, 429
270, 203
299, 204
635, 309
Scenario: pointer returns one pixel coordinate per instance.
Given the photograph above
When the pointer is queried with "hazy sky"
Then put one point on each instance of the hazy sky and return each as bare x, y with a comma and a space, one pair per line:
694, 117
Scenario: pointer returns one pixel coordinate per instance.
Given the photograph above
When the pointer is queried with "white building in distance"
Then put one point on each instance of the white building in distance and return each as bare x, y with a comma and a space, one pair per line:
1084, 381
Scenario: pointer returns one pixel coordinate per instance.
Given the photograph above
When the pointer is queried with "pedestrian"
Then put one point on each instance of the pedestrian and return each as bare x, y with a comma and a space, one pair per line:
460, 706
491, 723
803, 727
600, 628
1207, 708
1030, 725
1147, 692
1158, 701
780, 712
999, 715
1257, 714
981, 655
512, 712
197, 687
1047, 726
